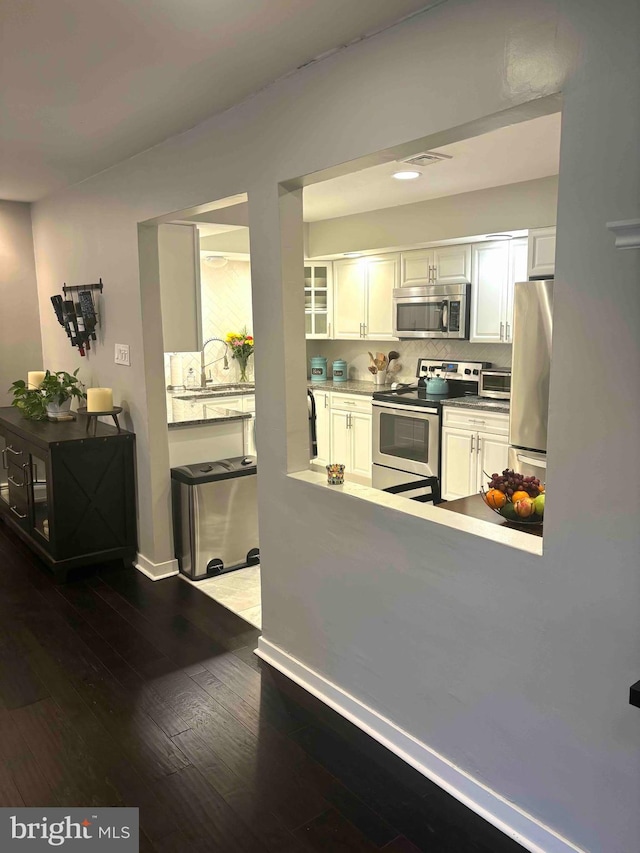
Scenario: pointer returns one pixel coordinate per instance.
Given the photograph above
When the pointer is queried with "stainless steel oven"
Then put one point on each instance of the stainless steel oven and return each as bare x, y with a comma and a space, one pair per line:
433, 311
406, 438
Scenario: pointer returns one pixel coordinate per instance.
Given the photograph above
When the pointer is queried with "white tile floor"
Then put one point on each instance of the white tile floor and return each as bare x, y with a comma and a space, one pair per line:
238, 591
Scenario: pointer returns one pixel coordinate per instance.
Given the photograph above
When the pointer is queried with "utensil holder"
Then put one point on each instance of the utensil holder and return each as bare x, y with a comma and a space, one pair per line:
380, 377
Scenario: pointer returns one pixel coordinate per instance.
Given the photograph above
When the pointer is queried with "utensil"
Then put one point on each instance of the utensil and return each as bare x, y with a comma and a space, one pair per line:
373, 361
392, 355
372, 369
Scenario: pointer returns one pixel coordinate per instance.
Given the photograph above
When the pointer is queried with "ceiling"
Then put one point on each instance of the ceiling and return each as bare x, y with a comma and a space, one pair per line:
520, 152
84, 85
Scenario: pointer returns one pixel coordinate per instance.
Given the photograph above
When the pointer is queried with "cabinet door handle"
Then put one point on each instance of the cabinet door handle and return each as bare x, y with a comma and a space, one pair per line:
364, 330
508, 333
14, 510
15, 483
473, 438
479, 444
501, 331
15, 452
326, 401
4, 459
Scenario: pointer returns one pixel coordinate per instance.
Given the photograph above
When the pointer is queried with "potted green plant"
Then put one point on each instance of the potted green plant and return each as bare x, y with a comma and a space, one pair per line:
52, 399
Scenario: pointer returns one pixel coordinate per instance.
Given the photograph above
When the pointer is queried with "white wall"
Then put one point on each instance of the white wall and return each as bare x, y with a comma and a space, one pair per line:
177, 259
513, 207
20, 345
514, 667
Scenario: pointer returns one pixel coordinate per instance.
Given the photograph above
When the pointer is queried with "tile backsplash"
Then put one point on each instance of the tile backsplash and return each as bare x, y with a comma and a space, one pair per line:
226, 307
355, 353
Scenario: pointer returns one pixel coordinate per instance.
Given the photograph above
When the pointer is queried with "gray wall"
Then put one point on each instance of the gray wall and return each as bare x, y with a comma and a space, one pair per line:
20, 342
514, 667
513, 207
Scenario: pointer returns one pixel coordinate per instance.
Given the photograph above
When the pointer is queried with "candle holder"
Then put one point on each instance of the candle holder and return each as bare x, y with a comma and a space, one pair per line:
92, 417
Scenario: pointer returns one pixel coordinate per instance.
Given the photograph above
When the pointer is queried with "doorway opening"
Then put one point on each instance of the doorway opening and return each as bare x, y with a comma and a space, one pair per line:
205, 283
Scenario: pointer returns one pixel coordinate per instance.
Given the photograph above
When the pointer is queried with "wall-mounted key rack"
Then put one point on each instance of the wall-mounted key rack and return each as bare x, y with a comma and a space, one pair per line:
76, 313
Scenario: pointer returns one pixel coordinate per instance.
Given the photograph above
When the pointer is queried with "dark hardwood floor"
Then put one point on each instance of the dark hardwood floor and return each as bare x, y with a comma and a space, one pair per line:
118, 691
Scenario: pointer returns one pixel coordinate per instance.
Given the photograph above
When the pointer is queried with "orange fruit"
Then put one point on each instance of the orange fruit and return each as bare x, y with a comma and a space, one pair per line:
524, 507
541, 488
518, 496
495, 498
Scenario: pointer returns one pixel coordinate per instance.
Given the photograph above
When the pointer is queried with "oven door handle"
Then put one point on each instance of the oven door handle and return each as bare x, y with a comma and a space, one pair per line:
415, 410
445, 315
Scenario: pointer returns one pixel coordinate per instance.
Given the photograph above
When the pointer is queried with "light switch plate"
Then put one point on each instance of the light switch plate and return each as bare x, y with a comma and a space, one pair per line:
122, 355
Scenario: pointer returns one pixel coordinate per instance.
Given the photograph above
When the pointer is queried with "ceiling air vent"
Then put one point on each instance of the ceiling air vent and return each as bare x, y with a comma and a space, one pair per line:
427, 158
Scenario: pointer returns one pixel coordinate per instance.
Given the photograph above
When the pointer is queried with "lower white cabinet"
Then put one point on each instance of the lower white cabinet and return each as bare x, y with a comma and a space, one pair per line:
249, 405
472, 449
323, 430
350, 426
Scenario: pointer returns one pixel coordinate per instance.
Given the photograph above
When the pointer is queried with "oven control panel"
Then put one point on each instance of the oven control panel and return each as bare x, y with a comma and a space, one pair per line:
467, 371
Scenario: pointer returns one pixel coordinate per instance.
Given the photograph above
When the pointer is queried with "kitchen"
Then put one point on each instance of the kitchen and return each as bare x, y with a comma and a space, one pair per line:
372, 289
444, 308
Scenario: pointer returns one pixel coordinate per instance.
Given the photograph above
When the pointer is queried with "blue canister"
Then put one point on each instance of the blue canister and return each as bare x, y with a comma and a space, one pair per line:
339, 370
318, 368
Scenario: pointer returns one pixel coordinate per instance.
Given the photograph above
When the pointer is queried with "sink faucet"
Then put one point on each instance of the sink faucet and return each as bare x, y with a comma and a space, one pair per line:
203, 365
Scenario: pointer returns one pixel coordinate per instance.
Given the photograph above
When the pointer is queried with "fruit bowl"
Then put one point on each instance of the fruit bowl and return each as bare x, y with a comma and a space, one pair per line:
515, 498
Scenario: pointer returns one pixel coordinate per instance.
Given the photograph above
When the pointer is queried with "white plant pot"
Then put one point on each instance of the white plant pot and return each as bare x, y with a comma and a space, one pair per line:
57, 410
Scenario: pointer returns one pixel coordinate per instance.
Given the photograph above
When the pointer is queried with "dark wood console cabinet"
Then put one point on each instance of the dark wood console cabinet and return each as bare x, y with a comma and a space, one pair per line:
71, 497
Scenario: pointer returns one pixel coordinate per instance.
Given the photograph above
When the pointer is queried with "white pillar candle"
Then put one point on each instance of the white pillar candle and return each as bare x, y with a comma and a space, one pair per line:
99, 399
35, 378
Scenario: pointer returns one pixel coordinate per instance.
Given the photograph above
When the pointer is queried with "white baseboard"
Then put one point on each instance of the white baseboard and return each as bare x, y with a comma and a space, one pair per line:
505, 816
156, 571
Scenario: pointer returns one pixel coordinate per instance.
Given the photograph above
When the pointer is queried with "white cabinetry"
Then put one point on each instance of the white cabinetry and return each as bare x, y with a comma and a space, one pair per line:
473, 442
441, 265
318, 293
351, 435
542, 252
363, 297
179, 277
323, 430
496, 267
249, 405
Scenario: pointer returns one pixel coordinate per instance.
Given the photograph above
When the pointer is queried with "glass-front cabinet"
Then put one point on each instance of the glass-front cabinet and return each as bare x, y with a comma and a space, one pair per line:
4, 470
318, 303
39, 496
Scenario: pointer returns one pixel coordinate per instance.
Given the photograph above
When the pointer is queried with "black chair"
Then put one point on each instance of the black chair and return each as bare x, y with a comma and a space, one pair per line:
431, 483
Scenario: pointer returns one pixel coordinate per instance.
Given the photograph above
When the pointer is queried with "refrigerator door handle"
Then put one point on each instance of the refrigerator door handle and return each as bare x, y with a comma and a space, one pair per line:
530, 460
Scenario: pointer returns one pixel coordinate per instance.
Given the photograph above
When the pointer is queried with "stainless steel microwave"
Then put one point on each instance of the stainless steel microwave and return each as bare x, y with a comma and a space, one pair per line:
495, 384
432, 311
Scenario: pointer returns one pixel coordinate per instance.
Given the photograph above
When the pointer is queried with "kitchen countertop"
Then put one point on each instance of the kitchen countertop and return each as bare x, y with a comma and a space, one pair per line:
182, 413
351, 386
482, 404
217, 390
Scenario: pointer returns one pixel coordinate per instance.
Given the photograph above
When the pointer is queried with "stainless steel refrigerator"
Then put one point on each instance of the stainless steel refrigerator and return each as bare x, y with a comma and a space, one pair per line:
530, 368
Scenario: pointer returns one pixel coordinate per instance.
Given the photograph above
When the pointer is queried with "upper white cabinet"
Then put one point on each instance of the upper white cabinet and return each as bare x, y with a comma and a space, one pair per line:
318, 299
542, 252
496, 267
179, 275
363, 297
441, 265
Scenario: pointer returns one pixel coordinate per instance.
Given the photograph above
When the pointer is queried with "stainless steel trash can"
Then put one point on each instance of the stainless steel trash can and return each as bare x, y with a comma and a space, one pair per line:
215, 516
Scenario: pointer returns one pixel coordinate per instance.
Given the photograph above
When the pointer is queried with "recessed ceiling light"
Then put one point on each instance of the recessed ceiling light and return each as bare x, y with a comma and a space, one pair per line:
406, 175
499, 237
353, 254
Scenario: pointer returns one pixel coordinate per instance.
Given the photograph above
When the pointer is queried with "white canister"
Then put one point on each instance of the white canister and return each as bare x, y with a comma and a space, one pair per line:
380, 377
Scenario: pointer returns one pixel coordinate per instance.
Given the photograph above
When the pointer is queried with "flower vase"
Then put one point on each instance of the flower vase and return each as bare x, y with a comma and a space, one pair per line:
243, 365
